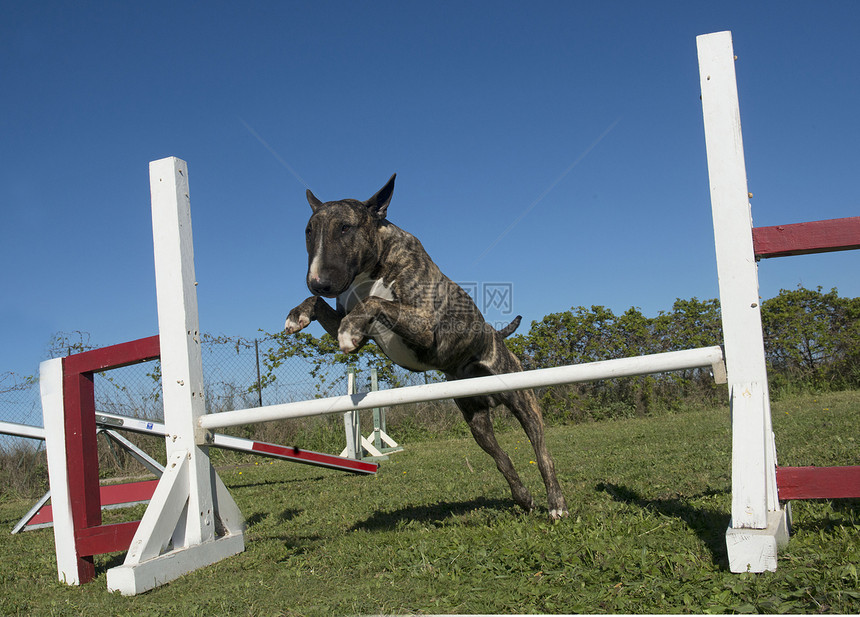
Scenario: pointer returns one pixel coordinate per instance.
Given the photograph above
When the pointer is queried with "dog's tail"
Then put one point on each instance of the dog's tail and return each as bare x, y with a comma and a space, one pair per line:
511, 327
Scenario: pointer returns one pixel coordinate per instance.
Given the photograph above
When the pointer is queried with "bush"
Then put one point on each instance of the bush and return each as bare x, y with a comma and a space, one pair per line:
812, 342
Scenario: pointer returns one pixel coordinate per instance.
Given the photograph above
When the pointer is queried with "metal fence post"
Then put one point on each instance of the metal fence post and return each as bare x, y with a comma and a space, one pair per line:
259, 383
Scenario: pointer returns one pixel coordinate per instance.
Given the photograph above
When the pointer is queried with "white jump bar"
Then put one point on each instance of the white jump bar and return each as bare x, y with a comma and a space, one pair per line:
22, 430
608, 369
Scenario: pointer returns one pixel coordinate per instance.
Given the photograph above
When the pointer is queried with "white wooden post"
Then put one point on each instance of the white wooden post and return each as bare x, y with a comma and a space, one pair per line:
378, 413
351, 422
758, 522
190, 505
382, 441
54, 419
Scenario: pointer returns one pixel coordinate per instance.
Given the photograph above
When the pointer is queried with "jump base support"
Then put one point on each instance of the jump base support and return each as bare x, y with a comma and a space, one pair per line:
755, 550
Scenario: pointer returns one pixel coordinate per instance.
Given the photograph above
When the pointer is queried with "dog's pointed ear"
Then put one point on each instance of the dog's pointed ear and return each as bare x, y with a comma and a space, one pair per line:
378, 204
313, 201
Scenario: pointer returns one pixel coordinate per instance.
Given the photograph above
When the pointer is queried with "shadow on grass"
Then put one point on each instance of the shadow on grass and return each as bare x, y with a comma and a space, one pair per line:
828, 516
271, 483
285, 515
430, 513
710, 525
104, 563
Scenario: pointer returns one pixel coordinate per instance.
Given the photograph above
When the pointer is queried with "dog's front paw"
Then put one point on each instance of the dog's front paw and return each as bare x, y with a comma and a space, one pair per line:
348, 340
298, 319
301, 316
294, 324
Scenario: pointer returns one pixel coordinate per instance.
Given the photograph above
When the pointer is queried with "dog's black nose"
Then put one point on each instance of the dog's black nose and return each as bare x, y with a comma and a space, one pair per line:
320, 287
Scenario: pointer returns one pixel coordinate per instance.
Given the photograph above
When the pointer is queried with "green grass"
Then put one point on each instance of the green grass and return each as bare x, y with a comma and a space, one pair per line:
436, 532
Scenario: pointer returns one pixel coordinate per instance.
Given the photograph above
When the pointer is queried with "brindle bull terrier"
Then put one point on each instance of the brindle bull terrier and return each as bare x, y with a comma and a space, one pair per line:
389, 290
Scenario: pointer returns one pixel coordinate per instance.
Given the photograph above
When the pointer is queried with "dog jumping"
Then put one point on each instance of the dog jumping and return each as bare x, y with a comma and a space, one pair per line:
389, 290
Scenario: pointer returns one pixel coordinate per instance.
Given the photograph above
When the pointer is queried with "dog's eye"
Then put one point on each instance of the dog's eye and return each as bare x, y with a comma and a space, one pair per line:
345, 229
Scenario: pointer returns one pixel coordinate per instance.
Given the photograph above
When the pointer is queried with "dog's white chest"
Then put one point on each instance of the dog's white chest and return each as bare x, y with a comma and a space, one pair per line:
391, 344
396, 349
362, 287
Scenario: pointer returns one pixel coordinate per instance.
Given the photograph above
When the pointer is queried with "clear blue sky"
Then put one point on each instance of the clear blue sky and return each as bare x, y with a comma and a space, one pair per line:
480, 107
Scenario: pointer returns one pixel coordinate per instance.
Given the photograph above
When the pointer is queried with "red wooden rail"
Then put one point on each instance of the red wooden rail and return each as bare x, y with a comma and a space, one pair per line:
313, 458
111, 495
817, 482
807, 238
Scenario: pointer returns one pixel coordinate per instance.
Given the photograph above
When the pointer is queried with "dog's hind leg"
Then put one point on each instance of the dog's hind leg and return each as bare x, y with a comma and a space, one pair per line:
477, 415
523, 405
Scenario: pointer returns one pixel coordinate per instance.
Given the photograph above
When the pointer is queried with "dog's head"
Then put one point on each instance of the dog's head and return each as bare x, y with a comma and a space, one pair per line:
342, 240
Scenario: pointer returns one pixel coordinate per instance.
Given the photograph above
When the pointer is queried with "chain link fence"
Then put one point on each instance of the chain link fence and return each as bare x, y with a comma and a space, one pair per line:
233, 368
19, 403
232, 374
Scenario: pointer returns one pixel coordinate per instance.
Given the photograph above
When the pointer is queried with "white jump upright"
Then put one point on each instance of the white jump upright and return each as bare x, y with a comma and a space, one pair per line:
356, 444
51, 387
759, 524
352, 423
192, 520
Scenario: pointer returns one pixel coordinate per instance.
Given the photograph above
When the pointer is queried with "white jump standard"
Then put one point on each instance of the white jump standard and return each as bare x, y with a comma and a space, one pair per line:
191, 510
760, 490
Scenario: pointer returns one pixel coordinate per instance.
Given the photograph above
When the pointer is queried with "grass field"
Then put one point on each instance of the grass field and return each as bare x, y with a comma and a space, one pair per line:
436, 532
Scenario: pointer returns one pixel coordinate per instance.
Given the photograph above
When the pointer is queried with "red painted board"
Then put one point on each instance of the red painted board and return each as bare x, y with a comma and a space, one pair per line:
44, 515
131, 492
81, 451
807, 238
817, 482
82, 459
105, 538
111, 495
315, 458
114, 356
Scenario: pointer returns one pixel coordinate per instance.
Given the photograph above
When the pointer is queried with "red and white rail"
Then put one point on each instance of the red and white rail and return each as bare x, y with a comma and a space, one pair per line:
240, 444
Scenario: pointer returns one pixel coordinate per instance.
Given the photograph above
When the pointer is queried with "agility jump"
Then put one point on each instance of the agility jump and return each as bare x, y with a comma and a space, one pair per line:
192, 520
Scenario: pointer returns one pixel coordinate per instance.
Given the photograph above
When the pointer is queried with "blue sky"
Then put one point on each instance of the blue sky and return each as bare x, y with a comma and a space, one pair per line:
554, 146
